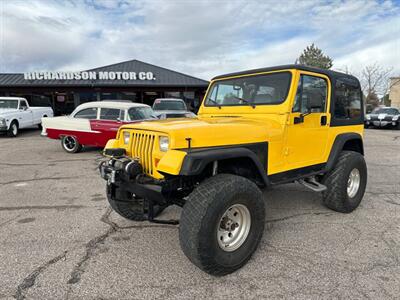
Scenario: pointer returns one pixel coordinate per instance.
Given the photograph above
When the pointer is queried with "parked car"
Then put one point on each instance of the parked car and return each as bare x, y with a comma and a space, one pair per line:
94, 123
176, 114
383, 117
263, 128
15, 113
171, 108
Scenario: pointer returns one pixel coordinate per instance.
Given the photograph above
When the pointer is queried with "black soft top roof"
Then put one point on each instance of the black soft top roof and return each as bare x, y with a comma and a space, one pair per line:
331, 74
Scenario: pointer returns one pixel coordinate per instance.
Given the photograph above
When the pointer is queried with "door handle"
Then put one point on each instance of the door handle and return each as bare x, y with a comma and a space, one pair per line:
324, 120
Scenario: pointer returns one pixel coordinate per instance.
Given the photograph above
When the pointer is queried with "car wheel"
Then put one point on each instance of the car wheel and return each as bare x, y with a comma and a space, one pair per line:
345, 183
13, 130
134, 209
222, 223
70, 144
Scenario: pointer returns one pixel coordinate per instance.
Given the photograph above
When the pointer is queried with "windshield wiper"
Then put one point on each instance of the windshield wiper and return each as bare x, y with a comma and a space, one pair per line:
215, 102
245, 101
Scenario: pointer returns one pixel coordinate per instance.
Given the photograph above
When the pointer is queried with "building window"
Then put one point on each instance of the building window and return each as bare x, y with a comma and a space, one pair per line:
172, 94
87, 97
108, 96
129, 96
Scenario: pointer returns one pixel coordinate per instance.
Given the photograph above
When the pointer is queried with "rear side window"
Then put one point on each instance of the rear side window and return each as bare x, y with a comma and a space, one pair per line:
110, 114
87, 113
347, 100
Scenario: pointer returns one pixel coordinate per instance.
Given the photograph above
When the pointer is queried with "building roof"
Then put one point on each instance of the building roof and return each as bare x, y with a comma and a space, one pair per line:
331, 74
163, 78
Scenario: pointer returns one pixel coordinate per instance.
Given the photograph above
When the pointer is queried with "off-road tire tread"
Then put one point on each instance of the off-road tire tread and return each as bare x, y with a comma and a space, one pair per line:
196, 207
334, 197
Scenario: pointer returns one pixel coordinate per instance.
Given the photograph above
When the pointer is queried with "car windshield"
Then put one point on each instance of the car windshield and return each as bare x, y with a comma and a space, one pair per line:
169, 105
141, 113
389, 111
9, 103
250, 90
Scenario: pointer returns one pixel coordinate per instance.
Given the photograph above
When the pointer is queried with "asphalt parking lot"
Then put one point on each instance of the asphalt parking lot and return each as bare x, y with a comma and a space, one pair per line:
59, 240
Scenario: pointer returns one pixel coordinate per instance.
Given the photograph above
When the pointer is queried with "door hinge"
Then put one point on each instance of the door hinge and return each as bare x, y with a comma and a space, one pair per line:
286, 151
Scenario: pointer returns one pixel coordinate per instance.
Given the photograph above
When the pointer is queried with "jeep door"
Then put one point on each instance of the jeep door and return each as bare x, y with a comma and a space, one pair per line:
308, 123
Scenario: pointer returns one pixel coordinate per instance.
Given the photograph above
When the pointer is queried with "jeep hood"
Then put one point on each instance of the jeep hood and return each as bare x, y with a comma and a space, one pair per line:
211, 132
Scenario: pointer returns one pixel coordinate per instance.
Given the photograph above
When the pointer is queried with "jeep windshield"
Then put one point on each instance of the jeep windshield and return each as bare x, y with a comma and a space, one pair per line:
253, 90
9, 104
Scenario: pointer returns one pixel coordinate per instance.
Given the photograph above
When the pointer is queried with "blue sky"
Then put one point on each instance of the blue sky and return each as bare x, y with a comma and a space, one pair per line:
202, 38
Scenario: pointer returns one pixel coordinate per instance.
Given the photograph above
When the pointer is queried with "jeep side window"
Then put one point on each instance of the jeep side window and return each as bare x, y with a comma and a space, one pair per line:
347, 100
311, 91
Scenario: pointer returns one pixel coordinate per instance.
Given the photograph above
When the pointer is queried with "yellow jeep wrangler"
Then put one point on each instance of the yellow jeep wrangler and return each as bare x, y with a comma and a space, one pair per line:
254, 129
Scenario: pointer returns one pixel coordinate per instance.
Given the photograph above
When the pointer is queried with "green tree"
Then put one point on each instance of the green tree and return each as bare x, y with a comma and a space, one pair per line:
312, 56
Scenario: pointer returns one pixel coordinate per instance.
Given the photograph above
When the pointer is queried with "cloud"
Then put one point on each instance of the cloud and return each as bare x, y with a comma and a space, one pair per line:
202, 38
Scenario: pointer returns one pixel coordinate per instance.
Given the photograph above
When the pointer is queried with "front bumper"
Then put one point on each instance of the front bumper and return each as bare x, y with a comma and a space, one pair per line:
3, 128
120, 184
380, 123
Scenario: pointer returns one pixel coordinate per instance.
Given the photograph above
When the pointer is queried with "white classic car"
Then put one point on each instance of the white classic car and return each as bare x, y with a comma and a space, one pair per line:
15, 113
94, 123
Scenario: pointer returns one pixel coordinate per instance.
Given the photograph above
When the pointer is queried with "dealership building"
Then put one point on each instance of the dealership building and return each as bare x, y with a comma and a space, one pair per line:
132, 80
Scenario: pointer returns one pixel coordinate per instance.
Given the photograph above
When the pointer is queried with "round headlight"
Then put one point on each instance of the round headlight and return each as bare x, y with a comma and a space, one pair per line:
127, 137
368, 117
164, 143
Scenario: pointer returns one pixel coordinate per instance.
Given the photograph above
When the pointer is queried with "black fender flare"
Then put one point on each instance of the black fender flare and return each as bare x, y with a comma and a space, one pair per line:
337, 147
195, 161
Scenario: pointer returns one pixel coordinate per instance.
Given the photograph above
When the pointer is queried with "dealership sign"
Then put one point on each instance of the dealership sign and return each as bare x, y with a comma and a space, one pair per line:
89, 75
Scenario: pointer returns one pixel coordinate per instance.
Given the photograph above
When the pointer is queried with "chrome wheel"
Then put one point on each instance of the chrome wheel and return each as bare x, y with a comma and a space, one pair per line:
353, 183
69, 143
234, 227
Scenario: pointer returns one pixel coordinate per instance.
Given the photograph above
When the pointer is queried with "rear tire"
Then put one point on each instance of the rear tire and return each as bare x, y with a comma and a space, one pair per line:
70, 144
345, 183
13, 130
206, 234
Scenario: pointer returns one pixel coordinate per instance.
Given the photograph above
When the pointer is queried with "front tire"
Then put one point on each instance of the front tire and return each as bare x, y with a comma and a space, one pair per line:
222, 223
70, 144
345, 183
13, 130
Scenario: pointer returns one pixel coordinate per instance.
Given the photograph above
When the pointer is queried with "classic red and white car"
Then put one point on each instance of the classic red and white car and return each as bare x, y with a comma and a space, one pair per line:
94, 123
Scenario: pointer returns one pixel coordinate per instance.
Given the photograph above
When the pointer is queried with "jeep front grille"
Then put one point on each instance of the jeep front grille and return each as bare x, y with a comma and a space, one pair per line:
142, 148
